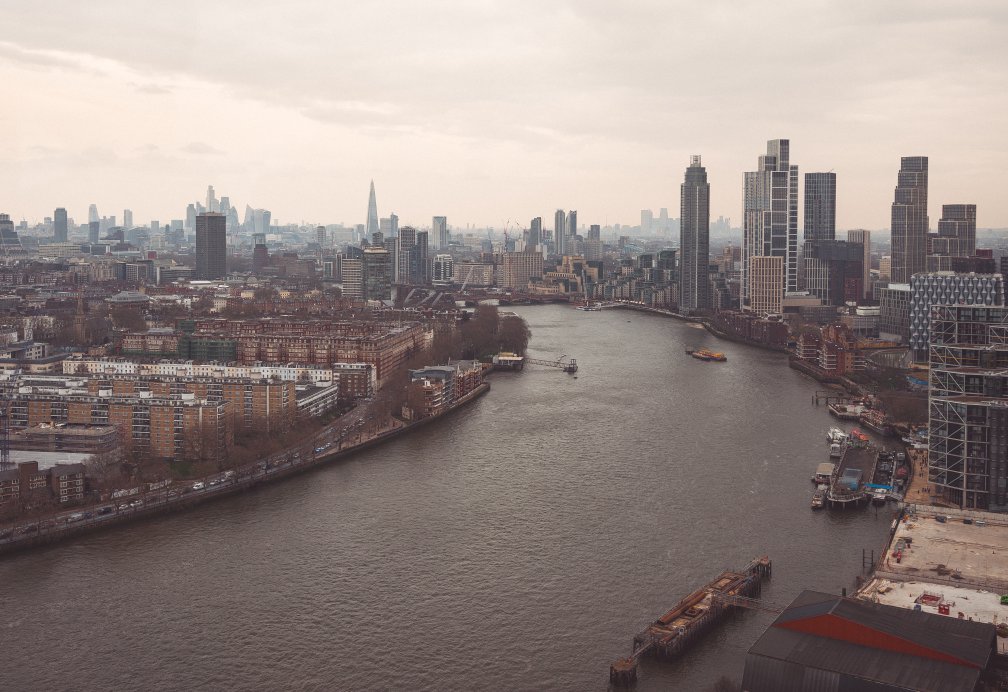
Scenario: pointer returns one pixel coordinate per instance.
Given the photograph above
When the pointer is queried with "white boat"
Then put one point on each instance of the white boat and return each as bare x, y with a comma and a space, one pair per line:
835, 436
835, 450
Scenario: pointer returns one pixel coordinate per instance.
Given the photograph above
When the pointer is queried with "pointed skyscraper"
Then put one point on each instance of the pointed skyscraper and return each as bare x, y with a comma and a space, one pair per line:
372, 213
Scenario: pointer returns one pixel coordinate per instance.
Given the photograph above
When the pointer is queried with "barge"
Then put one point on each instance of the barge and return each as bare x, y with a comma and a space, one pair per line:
691, 618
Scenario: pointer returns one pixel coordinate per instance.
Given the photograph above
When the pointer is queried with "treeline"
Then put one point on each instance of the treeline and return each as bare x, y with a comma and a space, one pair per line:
481, 336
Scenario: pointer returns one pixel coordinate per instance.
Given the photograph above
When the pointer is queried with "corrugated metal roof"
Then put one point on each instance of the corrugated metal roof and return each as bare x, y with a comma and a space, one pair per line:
785, 659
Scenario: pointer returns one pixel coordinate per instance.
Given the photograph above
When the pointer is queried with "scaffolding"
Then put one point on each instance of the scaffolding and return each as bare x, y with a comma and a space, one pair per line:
968, 407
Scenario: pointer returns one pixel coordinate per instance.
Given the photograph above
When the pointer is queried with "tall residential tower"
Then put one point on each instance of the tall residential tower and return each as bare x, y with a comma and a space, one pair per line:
694, 239
910, 219
770, 222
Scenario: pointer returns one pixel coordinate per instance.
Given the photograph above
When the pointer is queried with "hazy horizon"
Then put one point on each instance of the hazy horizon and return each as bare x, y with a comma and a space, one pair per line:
485, 112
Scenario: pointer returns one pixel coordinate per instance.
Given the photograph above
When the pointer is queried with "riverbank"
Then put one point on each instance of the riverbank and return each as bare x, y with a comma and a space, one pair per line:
245, 479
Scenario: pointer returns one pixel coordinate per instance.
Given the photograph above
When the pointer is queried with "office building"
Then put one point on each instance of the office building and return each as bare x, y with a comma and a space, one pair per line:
514, 269
211, 246
94, 231
770, 223
60, 225
572, 229
968, 404
885, 268
534, 235
820, 207
694, 239
320, 235
910, 219
439, 232
946, 288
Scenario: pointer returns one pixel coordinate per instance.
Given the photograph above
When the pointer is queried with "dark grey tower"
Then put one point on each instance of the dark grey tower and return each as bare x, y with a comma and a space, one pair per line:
694, 239
60, 225
820, 206
211, 246
560, 232
910, 219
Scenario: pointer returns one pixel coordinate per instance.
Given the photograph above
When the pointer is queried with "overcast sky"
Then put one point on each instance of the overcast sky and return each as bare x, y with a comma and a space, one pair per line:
487, 110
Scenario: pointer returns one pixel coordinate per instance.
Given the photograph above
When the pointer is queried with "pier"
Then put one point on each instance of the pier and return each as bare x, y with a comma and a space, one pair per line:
692, 617
856, 467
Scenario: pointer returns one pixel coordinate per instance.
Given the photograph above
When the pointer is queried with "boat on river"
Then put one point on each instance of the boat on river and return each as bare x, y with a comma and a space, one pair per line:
818, 499
705, 354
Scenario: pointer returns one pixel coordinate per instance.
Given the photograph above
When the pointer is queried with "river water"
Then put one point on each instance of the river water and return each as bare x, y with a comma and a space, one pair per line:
518, 544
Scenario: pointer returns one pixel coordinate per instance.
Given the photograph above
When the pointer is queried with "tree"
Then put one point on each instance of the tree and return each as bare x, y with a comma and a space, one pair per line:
128, 318
514, 334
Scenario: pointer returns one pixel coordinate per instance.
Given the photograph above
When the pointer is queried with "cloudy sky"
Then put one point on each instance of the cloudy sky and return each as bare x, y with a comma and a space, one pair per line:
487, 110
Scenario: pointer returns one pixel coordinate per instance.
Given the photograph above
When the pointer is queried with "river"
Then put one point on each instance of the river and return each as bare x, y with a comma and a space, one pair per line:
518, 544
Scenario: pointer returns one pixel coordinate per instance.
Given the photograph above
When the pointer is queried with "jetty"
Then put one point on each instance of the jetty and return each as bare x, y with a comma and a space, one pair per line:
856, 467
689, 619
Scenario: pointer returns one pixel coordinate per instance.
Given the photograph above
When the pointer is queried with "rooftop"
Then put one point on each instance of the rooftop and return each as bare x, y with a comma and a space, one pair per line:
952, 552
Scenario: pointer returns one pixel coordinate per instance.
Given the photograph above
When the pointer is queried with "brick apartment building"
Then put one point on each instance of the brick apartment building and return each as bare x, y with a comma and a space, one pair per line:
64, 482
318, 342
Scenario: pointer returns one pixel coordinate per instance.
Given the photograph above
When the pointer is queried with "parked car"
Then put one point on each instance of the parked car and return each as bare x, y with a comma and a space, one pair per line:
198, 485
106, 510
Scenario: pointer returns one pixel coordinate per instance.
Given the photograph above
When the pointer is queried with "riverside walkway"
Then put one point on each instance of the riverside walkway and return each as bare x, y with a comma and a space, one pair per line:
349, 434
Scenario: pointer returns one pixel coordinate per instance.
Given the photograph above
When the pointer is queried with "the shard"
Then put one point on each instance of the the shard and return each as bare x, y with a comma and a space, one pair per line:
372, 213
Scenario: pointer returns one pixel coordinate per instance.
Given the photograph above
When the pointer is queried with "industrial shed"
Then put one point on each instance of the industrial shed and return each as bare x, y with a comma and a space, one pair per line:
826, 643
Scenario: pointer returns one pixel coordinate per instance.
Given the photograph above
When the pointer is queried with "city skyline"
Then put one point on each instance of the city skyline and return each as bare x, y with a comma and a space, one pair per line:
454, 135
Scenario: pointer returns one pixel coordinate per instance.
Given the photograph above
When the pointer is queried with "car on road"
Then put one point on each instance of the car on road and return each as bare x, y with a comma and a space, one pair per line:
198, 485
136, 503
75, 517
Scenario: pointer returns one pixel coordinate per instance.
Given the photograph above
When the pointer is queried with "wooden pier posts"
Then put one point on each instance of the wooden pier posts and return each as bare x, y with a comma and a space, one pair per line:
623, 672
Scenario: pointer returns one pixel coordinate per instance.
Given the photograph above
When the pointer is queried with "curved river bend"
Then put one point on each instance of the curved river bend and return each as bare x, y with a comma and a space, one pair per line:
519, 544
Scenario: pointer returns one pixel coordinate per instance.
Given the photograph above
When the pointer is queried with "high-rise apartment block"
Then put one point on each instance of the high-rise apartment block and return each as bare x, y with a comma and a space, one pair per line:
968, 405
956, 237
211, 246
863, 238
820, 206
377, 268
694, 239
770, 223
910, 219
514, 269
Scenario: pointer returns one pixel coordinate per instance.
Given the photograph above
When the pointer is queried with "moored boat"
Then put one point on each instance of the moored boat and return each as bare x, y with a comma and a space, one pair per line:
818, 499
874, 420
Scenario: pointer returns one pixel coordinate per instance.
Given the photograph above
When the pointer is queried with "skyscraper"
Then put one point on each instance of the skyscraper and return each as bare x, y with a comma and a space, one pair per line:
127, 218
60, 225
535, 234
190, 216
92, 214
320, 235
94, 231
439, 231
372, 213
770, 222
910, 219
211, 200
694, 238
820, 206
572, 228
211, 246
560, 232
